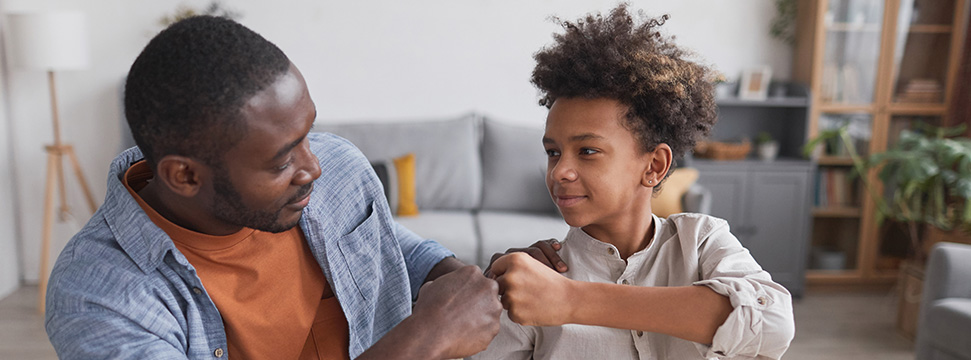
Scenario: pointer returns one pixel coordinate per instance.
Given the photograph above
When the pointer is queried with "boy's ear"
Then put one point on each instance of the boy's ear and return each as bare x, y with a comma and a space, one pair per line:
660, 162
182, 175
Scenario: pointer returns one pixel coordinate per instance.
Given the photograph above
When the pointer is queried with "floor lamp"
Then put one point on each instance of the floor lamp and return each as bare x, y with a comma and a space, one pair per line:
53, 41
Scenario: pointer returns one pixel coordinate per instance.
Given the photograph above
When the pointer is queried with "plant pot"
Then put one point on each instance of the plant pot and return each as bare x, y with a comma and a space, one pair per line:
910, 285
724, 90
768, 150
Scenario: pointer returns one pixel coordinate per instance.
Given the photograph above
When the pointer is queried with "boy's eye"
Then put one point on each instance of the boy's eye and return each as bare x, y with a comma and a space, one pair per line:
552, 153
588, 151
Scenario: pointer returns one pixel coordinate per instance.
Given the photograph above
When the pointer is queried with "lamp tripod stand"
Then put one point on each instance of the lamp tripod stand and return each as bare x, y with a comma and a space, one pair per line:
55, 178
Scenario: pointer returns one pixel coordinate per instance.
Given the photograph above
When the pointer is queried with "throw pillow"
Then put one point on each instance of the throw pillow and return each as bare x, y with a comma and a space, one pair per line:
668, 201
398, 178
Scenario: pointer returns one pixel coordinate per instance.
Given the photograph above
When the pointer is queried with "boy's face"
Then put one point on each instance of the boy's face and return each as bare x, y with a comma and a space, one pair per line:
596, 169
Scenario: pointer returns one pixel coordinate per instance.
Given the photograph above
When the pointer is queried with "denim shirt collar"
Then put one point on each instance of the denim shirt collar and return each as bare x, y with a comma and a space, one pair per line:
138, 236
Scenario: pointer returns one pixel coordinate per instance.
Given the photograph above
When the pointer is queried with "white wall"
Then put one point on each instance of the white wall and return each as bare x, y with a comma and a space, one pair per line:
381, 59
9, 266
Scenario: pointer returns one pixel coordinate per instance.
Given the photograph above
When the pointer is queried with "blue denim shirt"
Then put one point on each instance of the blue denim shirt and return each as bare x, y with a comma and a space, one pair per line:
121, 289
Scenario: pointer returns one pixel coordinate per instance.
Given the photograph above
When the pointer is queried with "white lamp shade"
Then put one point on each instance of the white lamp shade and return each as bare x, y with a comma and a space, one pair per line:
49, 41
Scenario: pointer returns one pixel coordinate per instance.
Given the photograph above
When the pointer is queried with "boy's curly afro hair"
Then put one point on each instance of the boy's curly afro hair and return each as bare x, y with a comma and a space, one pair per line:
670, 98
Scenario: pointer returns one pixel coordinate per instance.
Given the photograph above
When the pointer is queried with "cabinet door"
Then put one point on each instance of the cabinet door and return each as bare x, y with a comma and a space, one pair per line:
728, 199
779, 203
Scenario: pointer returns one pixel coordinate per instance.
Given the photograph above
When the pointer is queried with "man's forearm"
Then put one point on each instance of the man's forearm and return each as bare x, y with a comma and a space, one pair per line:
408, 340
443, 267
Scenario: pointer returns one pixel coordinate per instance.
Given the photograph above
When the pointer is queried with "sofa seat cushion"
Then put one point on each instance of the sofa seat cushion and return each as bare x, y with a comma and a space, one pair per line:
500, 231
453, 229
948, 325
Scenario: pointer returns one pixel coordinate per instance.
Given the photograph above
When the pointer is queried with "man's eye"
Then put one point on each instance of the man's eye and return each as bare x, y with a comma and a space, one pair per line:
284, 166
588, 151
552, 153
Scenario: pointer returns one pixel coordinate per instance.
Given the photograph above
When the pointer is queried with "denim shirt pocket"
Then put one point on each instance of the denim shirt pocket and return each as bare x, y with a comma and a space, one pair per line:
362, 253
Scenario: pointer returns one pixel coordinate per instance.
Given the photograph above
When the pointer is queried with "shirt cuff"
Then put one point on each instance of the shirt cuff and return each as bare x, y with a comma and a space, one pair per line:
741, 334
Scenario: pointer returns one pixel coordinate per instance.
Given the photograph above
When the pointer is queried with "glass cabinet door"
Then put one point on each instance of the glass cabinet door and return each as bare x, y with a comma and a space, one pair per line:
922, 50
852, 51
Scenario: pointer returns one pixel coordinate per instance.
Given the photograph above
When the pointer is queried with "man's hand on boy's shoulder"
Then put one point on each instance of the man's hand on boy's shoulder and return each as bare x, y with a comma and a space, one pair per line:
544, 250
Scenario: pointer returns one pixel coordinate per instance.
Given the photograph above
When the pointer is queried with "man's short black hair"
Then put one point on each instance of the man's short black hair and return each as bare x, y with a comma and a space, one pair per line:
185, 91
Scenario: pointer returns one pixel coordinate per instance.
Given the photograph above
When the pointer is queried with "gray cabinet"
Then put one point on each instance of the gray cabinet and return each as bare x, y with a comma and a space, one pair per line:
766, 205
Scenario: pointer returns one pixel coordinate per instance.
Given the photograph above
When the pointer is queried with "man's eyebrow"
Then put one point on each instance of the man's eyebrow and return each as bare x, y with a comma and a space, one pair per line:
547, 140
286, 149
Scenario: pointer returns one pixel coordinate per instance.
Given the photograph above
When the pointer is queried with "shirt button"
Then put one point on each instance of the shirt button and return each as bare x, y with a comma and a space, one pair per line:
761, 301
196, 290
610, 251
626, 282
218, 352
640, 333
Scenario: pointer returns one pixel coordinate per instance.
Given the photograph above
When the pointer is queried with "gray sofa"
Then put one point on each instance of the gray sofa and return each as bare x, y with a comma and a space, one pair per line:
944, 323
480, 185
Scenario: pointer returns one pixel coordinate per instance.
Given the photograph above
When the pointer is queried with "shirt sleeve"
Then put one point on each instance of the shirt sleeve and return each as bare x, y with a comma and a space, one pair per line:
514, 342
105, 335
761, 323
421, 255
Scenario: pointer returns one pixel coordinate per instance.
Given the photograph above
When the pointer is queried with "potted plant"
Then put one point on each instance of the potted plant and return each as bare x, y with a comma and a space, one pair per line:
766, 146
927, 179
926, 174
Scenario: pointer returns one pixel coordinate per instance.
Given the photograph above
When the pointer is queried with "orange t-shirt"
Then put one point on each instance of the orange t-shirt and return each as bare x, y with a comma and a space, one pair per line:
269, 289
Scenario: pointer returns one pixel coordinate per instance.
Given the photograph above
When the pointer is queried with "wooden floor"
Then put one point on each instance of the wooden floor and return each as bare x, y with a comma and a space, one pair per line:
828, 326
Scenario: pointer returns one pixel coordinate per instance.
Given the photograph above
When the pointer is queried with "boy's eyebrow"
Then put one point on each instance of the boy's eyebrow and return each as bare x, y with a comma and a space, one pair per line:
586, 136
581, 137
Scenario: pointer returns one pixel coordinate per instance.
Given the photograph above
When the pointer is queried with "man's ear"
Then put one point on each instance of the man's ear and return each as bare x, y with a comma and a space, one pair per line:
182, 175
658, 166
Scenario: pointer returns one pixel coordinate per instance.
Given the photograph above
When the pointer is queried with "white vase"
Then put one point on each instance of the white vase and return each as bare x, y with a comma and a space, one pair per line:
768, 150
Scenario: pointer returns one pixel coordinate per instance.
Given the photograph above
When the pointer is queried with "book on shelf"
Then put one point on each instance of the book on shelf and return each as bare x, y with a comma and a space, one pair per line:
836, 188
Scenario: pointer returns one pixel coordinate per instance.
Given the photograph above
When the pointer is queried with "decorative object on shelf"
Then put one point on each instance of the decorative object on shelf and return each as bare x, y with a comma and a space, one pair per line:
783, 26
723, 150
828, 259
724, 88
215, 8
52, 41
766, 146
755, 83
921, 91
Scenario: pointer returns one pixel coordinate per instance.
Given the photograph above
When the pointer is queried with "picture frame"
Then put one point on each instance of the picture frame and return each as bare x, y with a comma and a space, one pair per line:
755, 83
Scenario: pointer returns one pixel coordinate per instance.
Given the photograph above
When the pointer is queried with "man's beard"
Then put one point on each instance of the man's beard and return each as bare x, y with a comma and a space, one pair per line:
228, 206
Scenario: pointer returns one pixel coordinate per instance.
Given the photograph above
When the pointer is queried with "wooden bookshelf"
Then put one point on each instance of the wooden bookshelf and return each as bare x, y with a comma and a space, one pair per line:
837, 212
894, 62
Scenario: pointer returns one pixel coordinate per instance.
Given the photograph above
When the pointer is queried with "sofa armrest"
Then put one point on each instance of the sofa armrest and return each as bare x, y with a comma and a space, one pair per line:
948, 272
948, 275
697, 200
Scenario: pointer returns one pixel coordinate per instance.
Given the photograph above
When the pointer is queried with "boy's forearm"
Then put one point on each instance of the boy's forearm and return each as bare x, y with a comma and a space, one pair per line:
692, 313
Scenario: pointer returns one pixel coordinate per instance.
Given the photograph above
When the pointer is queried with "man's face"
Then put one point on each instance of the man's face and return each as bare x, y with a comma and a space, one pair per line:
265, 180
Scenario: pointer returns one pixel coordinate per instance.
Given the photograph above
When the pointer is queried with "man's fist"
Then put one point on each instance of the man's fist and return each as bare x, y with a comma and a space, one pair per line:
463, 307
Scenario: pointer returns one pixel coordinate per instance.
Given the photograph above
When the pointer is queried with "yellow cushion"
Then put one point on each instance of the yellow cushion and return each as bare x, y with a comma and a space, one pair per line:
668, 201
405, 168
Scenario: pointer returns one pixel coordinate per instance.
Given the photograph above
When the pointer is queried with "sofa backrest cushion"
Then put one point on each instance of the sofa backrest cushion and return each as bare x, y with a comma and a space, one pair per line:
448, 171
514, 169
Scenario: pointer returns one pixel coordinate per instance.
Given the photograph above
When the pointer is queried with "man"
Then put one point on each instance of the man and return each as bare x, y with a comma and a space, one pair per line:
232, 231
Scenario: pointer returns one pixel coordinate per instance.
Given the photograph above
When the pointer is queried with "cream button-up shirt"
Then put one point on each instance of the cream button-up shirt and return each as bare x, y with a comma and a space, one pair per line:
687, 249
